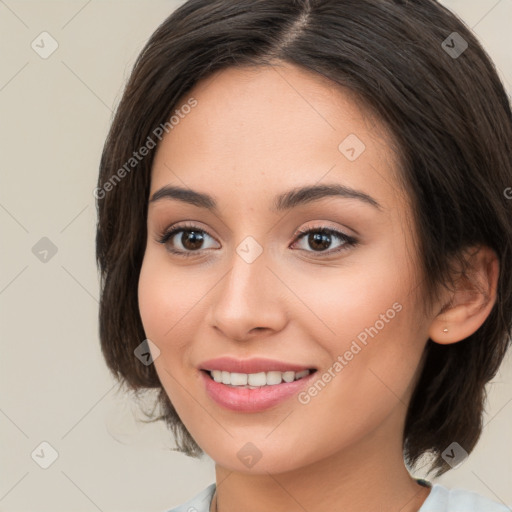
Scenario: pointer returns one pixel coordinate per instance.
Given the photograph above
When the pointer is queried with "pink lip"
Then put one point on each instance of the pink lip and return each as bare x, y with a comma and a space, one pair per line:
255, 365
252, 400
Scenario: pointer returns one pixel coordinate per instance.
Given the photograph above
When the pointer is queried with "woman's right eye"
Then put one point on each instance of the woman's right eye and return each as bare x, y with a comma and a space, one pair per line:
191, 240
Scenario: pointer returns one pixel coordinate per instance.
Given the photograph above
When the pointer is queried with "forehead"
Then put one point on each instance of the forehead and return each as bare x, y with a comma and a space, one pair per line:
275, 127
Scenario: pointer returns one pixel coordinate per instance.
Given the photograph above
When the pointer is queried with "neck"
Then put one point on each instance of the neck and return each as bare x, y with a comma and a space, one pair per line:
368, 475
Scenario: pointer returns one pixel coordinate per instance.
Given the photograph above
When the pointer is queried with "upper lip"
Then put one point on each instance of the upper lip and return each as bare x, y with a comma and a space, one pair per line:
254, 365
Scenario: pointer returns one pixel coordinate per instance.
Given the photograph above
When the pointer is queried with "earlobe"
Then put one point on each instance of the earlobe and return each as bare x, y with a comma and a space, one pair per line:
471, 301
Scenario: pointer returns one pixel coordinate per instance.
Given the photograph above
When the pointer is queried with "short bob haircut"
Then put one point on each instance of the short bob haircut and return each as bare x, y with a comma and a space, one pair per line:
449, 115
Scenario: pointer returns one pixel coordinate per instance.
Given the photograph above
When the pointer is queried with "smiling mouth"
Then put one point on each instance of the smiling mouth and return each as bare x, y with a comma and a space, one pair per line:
256, 380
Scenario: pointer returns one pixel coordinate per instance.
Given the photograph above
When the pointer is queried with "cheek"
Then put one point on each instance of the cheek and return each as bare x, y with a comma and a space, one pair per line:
154, 302
342, 303
171, 305
161, 305
364, 320
164, 298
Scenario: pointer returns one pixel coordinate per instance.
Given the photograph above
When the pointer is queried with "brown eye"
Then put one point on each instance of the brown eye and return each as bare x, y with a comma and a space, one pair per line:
191, 240
320, 238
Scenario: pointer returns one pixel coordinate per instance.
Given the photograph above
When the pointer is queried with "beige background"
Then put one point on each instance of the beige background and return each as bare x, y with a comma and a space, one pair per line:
55, 387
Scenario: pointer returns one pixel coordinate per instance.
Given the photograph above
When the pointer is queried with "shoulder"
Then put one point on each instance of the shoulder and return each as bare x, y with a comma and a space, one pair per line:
199, 503
442, 499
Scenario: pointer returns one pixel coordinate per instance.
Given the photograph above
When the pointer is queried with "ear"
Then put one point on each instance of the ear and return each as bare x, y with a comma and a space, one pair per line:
471, 301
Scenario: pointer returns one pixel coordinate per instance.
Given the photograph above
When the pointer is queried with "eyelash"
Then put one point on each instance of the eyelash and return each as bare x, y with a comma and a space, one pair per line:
349, 241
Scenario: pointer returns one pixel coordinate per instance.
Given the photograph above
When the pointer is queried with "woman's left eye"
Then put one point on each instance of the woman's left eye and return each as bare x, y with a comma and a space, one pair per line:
322, 236
192, 238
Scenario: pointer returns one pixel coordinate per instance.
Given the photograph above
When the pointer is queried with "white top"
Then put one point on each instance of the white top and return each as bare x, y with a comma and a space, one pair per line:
440, 499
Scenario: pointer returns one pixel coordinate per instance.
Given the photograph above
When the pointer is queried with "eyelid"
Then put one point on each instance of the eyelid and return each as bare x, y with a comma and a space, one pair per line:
323, 227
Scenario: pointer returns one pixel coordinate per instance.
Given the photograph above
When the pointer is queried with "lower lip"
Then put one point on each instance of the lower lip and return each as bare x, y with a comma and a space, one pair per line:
252, 400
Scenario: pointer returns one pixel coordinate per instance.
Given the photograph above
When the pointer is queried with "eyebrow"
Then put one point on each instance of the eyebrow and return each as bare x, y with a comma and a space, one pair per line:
285, 201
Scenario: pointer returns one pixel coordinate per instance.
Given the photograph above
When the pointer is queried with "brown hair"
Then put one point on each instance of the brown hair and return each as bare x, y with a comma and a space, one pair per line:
441, 97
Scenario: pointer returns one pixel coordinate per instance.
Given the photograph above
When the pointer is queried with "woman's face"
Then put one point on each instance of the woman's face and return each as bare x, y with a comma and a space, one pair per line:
244, 284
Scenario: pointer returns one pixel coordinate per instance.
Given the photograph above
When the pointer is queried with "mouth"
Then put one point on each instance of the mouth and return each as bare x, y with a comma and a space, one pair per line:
256, 380
255, 392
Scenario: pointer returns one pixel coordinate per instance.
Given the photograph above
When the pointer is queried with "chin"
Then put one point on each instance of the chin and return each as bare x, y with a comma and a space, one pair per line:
256, 458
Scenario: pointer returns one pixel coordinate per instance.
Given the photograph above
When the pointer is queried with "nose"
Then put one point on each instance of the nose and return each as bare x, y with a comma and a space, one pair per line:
248, 301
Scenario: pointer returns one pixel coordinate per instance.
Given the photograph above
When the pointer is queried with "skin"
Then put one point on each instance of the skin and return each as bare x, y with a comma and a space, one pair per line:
255, 133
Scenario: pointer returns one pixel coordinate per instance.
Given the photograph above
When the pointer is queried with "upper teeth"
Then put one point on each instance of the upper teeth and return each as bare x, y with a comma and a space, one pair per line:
256, 379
